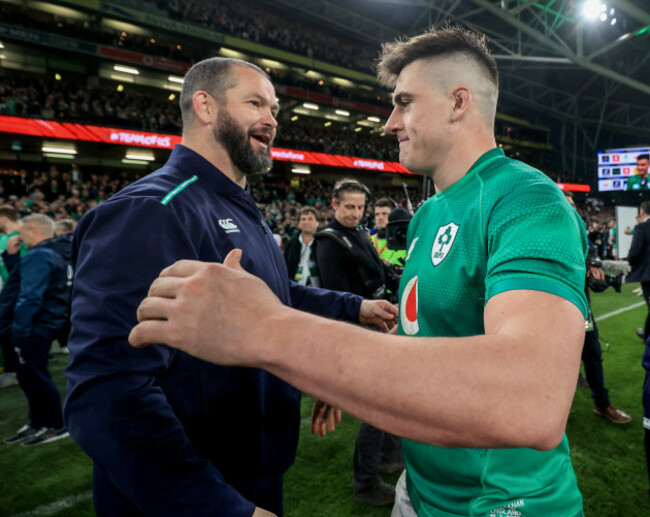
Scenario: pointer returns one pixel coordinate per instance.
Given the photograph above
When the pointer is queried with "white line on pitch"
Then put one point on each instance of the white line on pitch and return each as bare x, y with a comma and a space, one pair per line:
619, 311
55, 507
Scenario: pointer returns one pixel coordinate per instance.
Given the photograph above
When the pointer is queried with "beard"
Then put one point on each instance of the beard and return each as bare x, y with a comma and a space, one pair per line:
237, 143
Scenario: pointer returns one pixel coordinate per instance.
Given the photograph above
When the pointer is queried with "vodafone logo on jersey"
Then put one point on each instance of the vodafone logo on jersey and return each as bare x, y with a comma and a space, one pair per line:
408, 311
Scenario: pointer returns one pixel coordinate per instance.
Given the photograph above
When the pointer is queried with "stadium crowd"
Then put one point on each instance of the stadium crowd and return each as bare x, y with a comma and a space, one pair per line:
30, 96
67, 193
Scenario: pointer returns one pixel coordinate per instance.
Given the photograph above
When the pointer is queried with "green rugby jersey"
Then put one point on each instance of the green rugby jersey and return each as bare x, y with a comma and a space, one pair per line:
503, 226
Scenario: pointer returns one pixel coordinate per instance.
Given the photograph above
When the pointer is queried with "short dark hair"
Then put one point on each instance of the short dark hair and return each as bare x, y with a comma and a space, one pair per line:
645, 206
643, 157
213, 76
349, 185
434, 42
308, 210
9, 212
385, 202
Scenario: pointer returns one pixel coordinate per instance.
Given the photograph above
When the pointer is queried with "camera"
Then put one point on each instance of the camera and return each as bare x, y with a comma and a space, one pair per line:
595, 284
397, 229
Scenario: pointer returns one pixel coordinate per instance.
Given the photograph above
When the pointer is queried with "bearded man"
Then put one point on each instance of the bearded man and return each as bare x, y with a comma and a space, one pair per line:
170, 434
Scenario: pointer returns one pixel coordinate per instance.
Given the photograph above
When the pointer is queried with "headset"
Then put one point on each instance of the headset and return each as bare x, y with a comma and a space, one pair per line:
351, 185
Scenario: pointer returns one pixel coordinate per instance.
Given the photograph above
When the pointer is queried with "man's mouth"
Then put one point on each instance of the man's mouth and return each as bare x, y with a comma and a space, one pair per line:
262, 137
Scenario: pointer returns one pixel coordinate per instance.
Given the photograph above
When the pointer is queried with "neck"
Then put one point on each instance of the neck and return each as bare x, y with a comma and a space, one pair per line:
216, 155
307, 237
465, 150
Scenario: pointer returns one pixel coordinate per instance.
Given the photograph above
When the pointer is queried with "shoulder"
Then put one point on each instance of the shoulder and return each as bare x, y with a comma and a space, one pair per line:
513, 184
37, 257
164, 185
292, 243
505, 175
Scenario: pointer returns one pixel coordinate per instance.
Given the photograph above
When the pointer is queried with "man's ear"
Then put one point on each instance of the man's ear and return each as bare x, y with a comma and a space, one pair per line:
205, 106
335, 203
461, 98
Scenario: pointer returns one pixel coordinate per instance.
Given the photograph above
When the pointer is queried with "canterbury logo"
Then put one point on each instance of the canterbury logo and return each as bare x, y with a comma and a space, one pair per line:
228, 225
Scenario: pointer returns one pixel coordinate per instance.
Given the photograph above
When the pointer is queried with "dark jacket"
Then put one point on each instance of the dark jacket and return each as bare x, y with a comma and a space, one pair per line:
292, 254
339, 268
35, 301
639, 254
168, 433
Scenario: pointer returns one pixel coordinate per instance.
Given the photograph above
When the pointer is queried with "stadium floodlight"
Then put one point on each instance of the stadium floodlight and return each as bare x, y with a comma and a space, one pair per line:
603, 17
228, 52
591, 9
310, 106
356, 130
301, 170
58, 148
271, 63
613, 22
294, 118
374, 119
60, 156
343, 113
122, 78
144, 156
328, 123
126, 69
175, 79
1, 45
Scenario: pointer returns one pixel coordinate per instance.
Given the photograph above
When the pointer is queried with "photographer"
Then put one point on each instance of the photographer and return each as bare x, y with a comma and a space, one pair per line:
592, 356
379, 239
348, 262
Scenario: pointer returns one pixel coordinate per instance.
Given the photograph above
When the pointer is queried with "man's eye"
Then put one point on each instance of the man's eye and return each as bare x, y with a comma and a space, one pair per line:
255, 103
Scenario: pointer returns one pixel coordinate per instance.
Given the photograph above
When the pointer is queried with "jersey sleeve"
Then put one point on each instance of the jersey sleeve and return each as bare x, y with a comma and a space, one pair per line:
536, 241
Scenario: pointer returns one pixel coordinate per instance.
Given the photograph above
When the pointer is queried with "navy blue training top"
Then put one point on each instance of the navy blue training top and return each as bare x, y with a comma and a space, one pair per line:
170, 434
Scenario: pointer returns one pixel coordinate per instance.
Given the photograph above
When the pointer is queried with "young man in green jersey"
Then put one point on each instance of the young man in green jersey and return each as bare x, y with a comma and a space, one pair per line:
640, 180
481, 377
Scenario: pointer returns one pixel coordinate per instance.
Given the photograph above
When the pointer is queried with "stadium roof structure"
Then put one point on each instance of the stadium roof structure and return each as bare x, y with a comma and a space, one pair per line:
591, 76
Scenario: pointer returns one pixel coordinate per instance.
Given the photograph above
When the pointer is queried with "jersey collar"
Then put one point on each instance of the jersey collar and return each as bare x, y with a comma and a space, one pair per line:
484, 160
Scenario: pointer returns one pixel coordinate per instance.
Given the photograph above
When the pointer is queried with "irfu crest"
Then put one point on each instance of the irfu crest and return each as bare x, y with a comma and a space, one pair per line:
443, 242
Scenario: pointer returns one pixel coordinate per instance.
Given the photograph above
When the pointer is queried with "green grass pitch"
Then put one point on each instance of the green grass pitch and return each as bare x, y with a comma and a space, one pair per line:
55, 479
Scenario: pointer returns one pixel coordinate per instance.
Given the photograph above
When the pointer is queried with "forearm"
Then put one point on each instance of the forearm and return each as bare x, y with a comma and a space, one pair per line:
446, 391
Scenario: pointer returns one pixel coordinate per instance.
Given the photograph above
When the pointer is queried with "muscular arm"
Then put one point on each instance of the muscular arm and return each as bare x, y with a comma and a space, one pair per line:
511, 387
